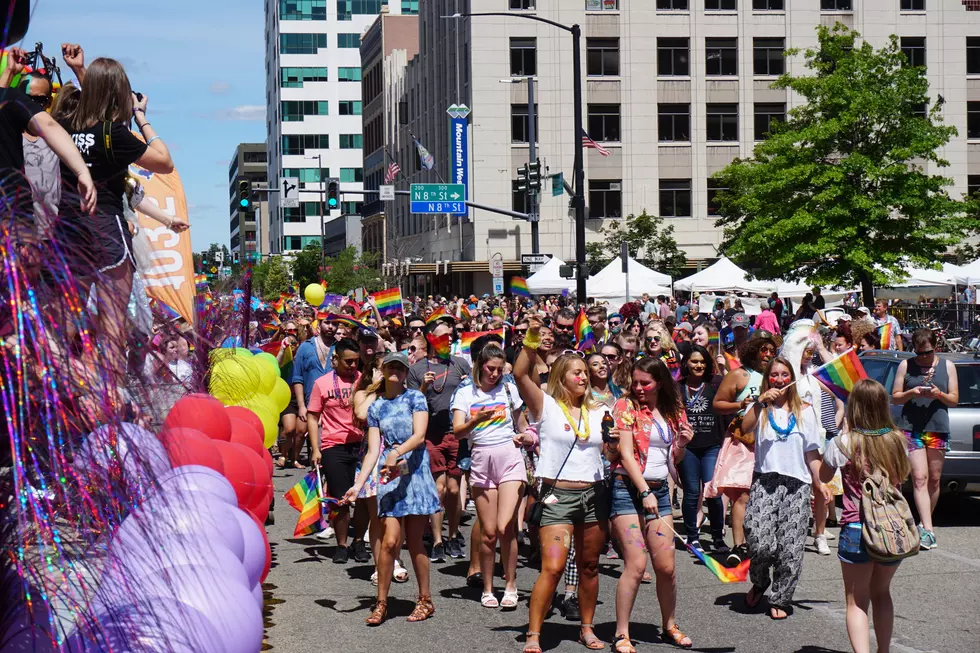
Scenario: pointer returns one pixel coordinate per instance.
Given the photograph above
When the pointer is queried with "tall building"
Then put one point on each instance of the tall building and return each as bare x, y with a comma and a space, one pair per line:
673, 90
313, 108
249, 231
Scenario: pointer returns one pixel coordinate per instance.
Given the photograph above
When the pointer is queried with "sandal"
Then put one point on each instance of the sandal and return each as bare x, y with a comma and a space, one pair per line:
647, 578
528, 646
673, 635
623, 644
475, 580
772, 613
423, 609
378, 615
400, 574
753, 603
488, 600
509, 602
374, 578
590, 641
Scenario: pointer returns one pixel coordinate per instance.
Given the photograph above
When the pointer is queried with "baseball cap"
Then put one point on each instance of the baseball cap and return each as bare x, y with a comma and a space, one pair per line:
864, 310
396, 357
740, 320
686, 326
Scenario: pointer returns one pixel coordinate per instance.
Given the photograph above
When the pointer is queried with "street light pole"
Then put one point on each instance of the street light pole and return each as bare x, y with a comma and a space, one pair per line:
323, 218
532, 156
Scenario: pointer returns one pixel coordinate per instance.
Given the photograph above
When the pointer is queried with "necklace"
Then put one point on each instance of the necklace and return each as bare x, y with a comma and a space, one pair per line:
872, 431
782, 433
583, 416
693, 400
665, 438
428, 368
336, 392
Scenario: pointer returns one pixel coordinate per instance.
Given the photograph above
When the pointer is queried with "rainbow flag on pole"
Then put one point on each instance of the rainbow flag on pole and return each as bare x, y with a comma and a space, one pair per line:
840, 374
469, 337
583, 332
714, 339
303, 492
886, 335
437, 314
389, 302
518, 287
738, 574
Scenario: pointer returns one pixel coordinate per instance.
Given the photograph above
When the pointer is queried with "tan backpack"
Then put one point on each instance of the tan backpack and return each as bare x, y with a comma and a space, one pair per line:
889, 532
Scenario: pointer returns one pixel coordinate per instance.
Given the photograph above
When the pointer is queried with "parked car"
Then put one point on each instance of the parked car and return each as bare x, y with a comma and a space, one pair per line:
961, 471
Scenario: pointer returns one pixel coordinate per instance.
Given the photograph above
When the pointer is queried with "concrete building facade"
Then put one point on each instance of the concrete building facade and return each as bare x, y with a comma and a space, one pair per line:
249, 231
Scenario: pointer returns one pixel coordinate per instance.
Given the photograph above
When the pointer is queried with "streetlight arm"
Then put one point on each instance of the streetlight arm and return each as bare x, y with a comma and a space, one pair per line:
525, 16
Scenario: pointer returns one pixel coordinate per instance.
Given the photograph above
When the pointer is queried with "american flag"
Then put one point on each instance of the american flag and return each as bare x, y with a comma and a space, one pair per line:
392, 172
588, 142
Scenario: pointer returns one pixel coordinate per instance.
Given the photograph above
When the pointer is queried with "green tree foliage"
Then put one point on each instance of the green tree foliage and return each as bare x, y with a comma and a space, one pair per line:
650, 242
306, 266
839, 194
348, 271
276, 278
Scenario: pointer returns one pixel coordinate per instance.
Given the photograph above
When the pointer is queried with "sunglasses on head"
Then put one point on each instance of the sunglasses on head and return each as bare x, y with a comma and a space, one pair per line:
580, 354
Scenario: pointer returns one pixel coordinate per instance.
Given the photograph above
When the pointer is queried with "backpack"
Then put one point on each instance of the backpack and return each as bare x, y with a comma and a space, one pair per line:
889, 532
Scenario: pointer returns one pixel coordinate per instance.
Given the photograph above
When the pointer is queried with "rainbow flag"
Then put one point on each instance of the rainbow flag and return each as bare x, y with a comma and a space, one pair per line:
437, 314
738, 574
279, 305
840, 374
441, 345
295, 288
201, 282
348, 320
303, 492
583, 332
518, 287
389, 302
468, 337
886, 335
464, 313
733, 363
714, 339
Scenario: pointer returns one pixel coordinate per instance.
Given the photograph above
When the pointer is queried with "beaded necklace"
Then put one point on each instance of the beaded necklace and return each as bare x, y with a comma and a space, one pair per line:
782, 433
872, 431
666, 439
583, 416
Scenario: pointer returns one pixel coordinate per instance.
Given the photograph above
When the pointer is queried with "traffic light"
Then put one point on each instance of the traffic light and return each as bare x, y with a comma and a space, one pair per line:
534, 176
234, 258
244, 194
522, 178
204, 264
333, 193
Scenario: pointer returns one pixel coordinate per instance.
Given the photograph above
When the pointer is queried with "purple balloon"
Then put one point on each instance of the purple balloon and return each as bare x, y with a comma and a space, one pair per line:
141, 455
255, 551
27, 633
197, 477
259, 598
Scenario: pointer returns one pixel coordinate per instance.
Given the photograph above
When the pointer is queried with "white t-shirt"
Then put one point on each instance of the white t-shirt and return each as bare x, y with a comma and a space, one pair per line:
556, 439
811, 393
500, 428
656, 468
786, 456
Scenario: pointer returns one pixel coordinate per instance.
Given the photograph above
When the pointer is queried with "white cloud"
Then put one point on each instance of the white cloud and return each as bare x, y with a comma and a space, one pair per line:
244, 113
220, 87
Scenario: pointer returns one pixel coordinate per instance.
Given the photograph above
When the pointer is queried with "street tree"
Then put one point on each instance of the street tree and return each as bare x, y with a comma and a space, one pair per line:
275, 278
844, 192
649, 240
306, 266
349, 271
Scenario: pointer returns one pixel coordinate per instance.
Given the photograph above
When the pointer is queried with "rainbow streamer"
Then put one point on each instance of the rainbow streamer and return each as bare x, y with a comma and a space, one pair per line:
738, 574
389, 302
303, 492
840, 374
583, 332
441, 345
469, 337
518, 287
886, 335
437, 314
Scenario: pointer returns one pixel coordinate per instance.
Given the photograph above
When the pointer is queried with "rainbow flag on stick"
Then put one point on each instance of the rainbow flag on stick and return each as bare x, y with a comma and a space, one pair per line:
737, 574
389, 302
714, 339
840, 374
441, 345
437, 314
886, 335
518, 287
201, 282
303, 492
583, 332
349, 321
469, 337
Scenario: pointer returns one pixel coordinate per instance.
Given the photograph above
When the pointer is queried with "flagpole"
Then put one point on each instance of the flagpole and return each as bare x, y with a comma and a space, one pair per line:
319, 490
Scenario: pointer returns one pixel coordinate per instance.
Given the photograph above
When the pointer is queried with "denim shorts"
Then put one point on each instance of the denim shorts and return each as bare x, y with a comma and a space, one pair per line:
850, 547
626, 499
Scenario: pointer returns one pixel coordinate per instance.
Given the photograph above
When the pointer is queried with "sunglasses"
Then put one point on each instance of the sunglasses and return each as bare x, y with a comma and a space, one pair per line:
654, 339
611, 357
614, 324
563, 327
925, 353
416, 328
43, 101
520, 331
291, 331
580, 354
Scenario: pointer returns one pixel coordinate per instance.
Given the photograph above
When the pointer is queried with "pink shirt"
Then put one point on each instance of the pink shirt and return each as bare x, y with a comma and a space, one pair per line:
332, 398
767, 320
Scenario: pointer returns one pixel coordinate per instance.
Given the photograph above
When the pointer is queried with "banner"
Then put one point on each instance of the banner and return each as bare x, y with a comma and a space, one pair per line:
459, 157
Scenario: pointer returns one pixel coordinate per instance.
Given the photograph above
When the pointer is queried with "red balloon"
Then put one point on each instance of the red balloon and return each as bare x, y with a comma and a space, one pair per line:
268, 461
202, 412
243, 432
261, 510
247, 415
268, 549
238, 470
187, 446
263, 482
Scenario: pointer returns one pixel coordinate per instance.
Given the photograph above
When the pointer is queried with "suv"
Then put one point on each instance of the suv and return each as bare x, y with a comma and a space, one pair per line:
961, 471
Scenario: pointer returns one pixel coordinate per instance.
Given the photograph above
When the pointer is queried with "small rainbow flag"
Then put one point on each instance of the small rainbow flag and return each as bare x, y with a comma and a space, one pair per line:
441, 345
583, 332
279, 305
886, 335
201, 282
348, 320
738, 574
464, 313
303, 492
437, 314
518, 287
295, 288
389, 302
733, 363
469, 337
840, 374
713, 339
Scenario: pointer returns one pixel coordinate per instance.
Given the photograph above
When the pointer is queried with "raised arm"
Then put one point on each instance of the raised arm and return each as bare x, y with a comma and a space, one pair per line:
157, 156
60, 142
530, 390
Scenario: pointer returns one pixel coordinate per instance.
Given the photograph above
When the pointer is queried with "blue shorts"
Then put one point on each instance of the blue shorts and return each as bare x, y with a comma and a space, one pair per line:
850, 547
626, 500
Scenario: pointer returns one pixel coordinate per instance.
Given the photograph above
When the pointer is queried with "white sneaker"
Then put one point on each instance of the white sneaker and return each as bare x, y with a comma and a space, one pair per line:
820, 541
326, 534
830, 536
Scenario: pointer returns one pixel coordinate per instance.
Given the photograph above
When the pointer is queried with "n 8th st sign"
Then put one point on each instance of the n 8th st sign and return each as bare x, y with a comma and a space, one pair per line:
438, 198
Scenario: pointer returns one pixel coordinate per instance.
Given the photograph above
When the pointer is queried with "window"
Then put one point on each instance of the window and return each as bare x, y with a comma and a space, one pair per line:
603, 124
973, 55
835, 5
254, 157
714, 188
721, 5
302, 9
675, 198
602, 57
301, 212
518, 123
523, 56
674, 123
520, 5
410, 7
518, 198
601, 5
299, 143
973, 120
721, 57
295, 77
914, 49
913, 5
350, 74
296, 110
605, 198
767, 113
768, 56
672, 5
301, 43
972, 184
348, 40
352, 175
768, 5
723, 122
306, 175
346, 9
349, 107
351, 141
673, 58
920, 110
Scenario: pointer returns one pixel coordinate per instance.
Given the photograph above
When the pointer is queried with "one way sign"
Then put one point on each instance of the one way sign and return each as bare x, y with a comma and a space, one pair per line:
289, 196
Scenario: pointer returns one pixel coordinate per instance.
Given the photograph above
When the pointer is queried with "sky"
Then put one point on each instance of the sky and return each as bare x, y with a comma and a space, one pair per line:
201, 65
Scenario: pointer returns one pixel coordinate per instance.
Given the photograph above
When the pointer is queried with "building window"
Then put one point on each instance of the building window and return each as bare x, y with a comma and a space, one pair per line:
913, 5
972, 184
675, 198
714, 189
601, 5
301, 43
518, 198
721, 5
306, 175
973, 55
348, 40
351, 142
295, 77
919, 110
674, 123
604, 122
605, 198
347, 9
521, 5
914, 49
349, 74
349, 107
602, 57
673, 57
410, 7
351, 208
523, 57
768, 56
722, 122
518, 123
302, 9
768, 5
296, 110
352, 175
672, 5
301, 212
835, 5
973, 120
299, 143
254, 157
767, 113
720, 57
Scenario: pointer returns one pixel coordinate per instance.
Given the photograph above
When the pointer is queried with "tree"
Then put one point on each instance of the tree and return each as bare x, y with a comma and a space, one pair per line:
348, 271
649, 241
276, 277
306, 266
839, 193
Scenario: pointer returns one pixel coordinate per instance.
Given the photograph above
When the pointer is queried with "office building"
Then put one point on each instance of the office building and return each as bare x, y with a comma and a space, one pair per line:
250, 230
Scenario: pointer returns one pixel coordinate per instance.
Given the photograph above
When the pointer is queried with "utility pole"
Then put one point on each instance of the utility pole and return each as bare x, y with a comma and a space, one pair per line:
579, 199
532, 155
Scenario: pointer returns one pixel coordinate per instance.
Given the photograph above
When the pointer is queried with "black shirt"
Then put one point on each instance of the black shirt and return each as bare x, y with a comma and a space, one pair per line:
709, 429
16, 112
109, 166
819, 303
440, 394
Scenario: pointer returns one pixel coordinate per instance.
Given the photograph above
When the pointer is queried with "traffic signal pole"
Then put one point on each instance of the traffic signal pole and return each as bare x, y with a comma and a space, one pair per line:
532, 155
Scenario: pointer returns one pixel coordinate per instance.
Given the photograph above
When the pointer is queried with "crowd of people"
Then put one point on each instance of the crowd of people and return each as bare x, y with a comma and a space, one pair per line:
667, 419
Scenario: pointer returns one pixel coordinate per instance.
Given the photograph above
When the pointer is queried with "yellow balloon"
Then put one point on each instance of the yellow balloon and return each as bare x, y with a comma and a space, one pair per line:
280, 395
314, 294
263, 407
234, 379
268, 368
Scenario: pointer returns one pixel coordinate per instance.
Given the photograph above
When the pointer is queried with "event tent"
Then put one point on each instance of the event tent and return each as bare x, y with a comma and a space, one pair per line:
610, 282
927, 283
969, 273
547, 281
723, 276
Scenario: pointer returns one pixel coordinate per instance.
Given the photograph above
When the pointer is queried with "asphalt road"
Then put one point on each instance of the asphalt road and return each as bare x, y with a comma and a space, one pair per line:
314, 606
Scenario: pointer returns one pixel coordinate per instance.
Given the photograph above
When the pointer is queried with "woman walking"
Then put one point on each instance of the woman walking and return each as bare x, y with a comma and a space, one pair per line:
649, 420
926, 387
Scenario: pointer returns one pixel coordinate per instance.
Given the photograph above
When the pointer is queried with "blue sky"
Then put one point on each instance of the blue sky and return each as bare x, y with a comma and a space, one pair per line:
202, 66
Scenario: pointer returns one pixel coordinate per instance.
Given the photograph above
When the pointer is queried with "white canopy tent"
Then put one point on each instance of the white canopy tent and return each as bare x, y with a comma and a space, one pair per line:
610, 282
547, 281
723, 276
969, 273
927, 283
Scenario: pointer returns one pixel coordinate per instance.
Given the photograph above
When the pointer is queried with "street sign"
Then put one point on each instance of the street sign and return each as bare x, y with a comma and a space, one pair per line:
438, 198
459, 147
214, 270
498, 285
289, 186
535, 259
387, 193
497, 267
557, 184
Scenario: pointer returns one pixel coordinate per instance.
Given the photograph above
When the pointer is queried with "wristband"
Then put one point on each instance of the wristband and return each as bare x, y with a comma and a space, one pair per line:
155, 138
532, 340
645, 493
145, 124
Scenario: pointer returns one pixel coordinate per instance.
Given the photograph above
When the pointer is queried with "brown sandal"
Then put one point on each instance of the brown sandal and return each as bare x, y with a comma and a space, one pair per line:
378, 615
673, 635
423, 609
590, 641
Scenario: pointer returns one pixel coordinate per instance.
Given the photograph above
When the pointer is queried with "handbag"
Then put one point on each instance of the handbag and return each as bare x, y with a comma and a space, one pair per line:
536, 511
